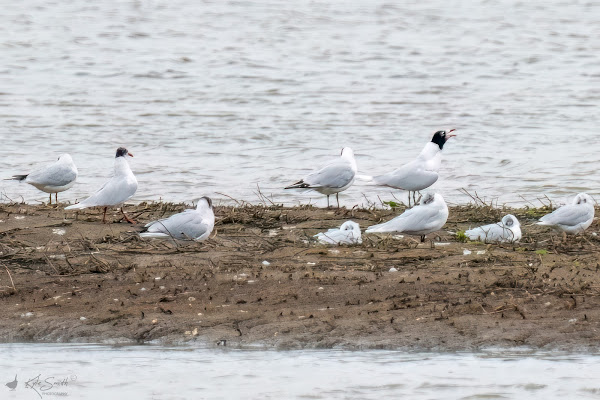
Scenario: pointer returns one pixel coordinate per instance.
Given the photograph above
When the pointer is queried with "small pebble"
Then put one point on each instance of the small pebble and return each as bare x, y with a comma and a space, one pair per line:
393, 269
82, 318
466, 252
266, 263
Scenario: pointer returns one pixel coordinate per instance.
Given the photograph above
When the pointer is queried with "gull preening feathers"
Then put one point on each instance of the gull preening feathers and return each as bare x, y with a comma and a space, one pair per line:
120, 188
572, 218
507, 230
420, 173
54, 178
333, 178
348, 233
193, 224
430, 215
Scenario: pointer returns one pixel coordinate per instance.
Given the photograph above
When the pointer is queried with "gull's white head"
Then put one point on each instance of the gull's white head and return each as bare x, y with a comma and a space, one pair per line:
349, 226
66, 158
204, 203
583, 198
347, 152
510, 221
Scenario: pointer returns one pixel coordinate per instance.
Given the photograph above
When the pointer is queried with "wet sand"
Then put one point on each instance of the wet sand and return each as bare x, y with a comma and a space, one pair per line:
261, 280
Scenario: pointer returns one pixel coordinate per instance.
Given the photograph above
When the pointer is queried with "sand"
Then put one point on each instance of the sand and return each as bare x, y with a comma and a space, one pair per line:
261, 280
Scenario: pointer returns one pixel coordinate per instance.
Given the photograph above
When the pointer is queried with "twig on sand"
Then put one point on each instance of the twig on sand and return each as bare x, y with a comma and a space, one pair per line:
262, 197
229, 197
10, 276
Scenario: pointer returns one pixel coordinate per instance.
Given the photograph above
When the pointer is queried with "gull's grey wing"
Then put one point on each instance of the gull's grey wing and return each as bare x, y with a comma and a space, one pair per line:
58, 174
416, 219
410, 176
569, 215
336, 174
185, 225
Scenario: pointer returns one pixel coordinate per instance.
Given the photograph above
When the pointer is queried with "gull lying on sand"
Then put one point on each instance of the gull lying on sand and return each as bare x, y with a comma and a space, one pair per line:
507, 230
194, 224
348, 233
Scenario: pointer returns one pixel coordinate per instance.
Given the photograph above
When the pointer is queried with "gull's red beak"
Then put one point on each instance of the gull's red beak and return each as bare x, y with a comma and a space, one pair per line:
129, 154
449, 136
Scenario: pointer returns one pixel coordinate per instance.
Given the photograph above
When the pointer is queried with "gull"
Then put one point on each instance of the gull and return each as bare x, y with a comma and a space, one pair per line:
507, 230
333, 178
428, 216
116, 191
572, 218
348, 233
420, 173
54, 178
196, 224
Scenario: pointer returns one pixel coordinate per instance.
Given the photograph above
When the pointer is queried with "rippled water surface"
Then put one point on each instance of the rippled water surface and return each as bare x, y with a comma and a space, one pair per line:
154, 372
221, 96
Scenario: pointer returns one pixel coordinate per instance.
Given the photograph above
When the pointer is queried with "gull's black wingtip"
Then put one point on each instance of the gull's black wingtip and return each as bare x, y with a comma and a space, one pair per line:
17, 178
298, 185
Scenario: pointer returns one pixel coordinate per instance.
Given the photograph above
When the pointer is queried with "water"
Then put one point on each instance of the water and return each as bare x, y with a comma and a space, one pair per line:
221, 96
155, 372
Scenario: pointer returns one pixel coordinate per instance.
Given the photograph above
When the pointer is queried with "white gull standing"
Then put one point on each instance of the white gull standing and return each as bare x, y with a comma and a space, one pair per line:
120, 188
572, 218
420, 173
348, 233
194, 224
333, 178
428, 216
54, 178
507, 230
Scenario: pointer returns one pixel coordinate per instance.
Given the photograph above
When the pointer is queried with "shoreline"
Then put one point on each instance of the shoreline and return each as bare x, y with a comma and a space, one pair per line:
79, 281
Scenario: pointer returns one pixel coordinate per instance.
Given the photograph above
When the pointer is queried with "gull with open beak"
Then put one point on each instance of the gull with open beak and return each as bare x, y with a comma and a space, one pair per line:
420, 173
120, 188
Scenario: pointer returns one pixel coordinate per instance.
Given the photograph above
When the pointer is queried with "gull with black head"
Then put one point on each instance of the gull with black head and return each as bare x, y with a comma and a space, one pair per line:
420, 173
116, 191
